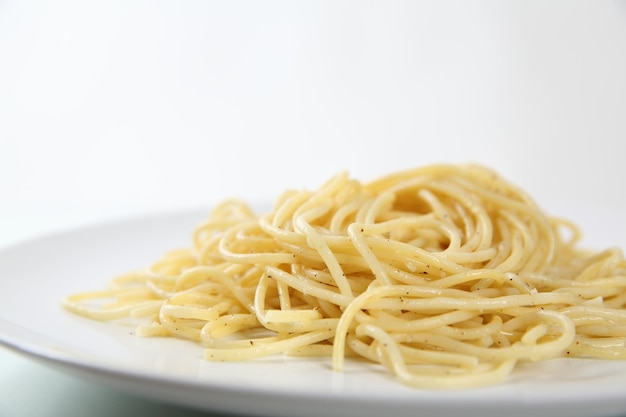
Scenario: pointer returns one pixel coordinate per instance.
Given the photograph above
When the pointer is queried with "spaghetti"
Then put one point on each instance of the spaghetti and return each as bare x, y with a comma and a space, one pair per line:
447, 275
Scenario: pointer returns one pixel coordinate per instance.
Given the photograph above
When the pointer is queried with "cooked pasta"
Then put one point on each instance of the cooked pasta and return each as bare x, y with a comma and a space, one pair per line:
447, 275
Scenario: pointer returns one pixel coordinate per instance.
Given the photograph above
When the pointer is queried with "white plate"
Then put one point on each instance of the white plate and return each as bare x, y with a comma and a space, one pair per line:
37, 274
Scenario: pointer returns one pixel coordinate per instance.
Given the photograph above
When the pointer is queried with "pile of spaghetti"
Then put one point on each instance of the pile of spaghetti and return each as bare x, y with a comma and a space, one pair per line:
447, 275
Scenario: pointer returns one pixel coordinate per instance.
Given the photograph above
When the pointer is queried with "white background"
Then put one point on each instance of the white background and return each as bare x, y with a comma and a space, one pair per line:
129, 107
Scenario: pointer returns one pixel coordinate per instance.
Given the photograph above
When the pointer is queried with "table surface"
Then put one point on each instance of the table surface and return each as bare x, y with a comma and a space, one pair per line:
29, 389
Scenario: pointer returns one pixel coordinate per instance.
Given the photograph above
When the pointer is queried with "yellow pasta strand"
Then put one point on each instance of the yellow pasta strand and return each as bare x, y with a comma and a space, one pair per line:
446, 275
